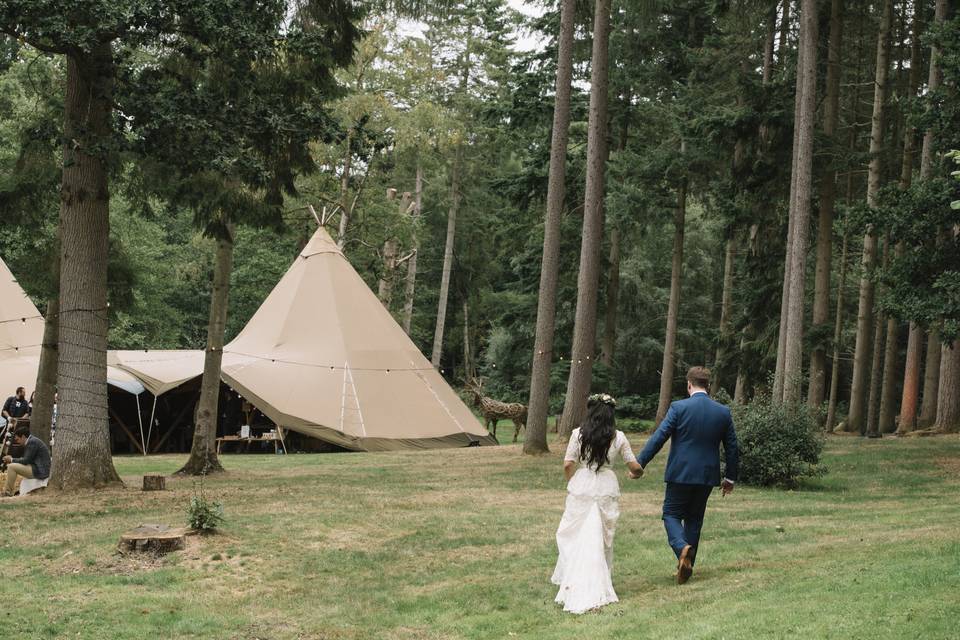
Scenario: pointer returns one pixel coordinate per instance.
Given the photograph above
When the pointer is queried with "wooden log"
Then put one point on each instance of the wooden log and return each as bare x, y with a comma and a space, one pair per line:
154, 482
153, 538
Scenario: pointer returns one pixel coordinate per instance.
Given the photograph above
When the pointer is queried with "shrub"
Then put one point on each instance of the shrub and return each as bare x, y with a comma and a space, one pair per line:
779, 444
640, 407
204, 515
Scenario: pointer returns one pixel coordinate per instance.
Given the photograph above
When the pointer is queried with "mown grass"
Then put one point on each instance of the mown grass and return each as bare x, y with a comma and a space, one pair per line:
459, 544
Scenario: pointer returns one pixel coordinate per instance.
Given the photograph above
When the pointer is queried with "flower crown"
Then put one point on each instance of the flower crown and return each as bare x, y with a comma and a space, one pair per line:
605, 398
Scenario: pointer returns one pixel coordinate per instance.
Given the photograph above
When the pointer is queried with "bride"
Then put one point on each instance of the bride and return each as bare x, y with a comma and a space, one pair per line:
585, 534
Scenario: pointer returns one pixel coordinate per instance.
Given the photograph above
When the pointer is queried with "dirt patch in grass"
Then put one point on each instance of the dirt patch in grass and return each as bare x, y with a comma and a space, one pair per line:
950, 465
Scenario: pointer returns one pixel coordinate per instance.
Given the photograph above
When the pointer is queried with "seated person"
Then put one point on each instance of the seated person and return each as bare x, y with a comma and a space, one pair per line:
34, 463
16, 407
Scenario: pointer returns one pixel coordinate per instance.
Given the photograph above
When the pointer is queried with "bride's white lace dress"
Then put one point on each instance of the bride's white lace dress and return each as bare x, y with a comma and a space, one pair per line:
585, 535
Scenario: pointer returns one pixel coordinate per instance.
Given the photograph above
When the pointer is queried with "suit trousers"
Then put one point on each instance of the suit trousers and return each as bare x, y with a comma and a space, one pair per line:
683, 509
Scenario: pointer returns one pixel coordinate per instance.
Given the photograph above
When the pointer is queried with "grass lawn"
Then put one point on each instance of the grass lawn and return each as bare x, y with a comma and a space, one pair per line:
459, 544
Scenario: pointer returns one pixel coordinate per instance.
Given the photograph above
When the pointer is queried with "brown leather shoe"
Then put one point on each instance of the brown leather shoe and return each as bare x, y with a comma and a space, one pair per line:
684, 566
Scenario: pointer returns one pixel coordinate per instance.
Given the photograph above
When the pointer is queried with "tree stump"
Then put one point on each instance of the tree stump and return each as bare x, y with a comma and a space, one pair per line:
154, 482
153, 538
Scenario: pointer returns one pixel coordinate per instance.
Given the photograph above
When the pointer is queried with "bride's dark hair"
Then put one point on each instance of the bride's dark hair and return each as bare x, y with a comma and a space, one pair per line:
597, 432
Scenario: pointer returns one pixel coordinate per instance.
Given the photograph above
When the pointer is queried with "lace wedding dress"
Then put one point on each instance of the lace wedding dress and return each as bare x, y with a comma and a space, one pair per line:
585, 535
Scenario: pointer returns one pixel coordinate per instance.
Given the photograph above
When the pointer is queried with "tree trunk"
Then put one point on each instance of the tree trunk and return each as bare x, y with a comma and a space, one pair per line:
455, 179
46, 387
837, 335
726, 310
828, 190
673, 306
793, 349
876, 366
613, 300
778, 376
911, 372
585, 322
948, 400
390, 249
887, 419
81, 458
447, 257
538, 406
469, 371
411, 279
203, 458
931, 379
784, 32
865, 324
931, 376
345, 204
911, 382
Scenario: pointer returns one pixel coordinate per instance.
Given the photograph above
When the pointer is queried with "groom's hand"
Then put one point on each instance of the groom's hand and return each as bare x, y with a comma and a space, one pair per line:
726, 487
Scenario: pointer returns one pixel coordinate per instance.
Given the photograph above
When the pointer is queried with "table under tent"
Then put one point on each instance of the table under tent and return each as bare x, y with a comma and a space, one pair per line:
321, 362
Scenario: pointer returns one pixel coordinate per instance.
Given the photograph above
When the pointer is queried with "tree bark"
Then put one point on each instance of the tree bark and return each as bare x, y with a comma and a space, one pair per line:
455, 179
203, 458
931, 376
778, 376
81, 458
726, 311
447, 257
876, 367
784, 32
46, 387
837, 336
865, 320
390, 249
673, 306
609, 345
931, 379
411, 278
345, 204
828, 191
911, 372
585, 321
469, 372
948, 399
538, 405
793, 349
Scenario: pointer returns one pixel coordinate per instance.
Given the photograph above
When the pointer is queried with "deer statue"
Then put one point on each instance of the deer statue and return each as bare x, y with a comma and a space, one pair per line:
494, 410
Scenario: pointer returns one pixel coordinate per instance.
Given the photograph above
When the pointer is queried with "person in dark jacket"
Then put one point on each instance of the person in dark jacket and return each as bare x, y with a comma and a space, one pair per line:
16, 407
34, 463
696, 428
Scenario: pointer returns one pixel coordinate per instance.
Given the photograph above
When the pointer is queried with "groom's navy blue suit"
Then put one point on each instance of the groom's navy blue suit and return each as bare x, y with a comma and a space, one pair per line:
696, 427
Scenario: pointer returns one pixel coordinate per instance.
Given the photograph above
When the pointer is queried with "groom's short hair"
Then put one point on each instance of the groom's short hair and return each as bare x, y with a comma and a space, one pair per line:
699, 377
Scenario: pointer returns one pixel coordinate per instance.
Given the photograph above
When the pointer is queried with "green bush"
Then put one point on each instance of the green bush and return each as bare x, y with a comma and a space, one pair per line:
779, 444
204, 515
640, 407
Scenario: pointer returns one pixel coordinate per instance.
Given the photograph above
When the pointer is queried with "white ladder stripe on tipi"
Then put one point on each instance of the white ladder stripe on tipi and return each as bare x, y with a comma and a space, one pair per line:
346, 396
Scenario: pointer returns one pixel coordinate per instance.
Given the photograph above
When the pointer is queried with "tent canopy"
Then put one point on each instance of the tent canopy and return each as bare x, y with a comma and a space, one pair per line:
323, 357
21, 337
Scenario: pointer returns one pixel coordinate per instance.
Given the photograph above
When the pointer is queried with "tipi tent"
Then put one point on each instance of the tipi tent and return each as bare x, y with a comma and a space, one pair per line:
21, 337
323, 357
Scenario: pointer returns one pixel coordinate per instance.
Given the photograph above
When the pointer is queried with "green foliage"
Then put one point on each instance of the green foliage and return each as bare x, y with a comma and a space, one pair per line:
639, 407
779, 444
203, 514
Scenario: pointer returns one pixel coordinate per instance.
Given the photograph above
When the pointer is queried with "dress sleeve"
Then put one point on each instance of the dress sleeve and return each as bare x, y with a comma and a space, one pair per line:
573, 447
623, 445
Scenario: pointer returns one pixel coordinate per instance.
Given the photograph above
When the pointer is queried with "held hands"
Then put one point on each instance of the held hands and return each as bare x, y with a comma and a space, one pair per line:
726, 487
635, 474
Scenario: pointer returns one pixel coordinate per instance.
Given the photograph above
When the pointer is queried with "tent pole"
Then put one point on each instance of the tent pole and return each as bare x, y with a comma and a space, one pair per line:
140, 420
152, 413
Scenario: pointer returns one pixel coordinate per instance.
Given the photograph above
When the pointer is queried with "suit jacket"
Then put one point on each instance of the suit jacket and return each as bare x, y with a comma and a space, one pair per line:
696, 428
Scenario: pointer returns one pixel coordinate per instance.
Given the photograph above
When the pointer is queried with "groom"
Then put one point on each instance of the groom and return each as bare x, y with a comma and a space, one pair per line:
696, 428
